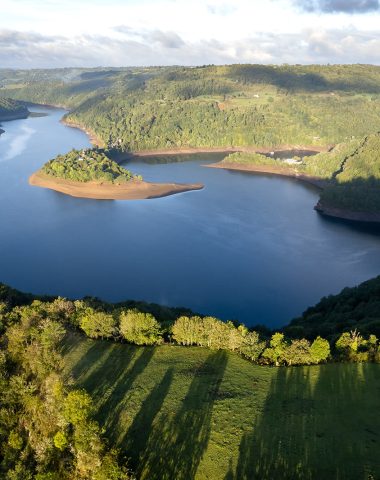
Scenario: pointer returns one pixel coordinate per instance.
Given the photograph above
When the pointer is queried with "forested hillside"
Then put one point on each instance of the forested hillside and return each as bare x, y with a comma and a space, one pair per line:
11, 109
171, 107
353, 308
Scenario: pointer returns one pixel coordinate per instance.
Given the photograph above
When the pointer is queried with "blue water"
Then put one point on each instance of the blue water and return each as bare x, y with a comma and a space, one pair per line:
247, 247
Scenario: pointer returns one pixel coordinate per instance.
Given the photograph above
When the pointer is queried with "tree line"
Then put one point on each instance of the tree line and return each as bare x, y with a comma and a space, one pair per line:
142, 328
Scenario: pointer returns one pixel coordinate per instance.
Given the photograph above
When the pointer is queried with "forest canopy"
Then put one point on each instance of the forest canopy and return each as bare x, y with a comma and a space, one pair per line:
87, 165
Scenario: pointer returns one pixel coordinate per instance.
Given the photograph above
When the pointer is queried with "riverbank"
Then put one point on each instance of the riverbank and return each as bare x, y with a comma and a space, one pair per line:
133, 190
328, 211
269, 170
94, 139
365, 217
231, 149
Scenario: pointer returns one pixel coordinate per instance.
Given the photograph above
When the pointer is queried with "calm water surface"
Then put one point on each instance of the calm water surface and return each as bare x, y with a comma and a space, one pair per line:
247, 247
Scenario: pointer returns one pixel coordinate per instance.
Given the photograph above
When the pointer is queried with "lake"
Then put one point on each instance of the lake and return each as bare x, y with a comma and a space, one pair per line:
247, 247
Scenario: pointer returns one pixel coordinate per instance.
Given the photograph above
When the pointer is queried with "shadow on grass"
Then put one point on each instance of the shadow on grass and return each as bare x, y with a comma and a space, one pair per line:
108, 372
136, 439
118, 382
176, 445
312, 430
91, 354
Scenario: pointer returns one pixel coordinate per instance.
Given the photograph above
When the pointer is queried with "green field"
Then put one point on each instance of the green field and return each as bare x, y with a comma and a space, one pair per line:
184, 413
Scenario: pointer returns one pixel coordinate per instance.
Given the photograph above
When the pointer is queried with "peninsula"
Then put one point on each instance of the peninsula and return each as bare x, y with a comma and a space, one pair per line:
347, 174
91, 174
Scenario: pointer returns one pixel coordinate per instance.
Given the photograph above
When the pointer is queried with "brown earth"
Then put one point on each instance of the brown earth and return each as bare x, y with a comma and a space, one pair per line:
270, 170
132, 190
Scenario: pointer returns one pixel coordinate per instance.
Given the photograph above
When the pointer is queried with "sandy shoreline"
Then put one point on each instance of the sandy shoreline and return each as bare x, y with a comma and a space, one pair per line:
94, 139
246, 149
269, 170
334, 212
133, 190
327, 211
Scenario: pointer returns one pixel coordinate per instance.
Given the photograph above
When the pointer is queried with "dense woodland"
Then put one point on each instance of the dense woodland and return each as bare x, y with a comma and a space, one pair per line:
87, 165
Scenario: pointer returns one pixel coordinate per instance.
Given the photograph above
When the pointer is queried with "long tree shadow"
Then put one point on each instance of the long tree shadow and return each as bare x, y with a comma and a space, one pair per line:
175, 447
136, 439
91, 353
311, 428
119, 382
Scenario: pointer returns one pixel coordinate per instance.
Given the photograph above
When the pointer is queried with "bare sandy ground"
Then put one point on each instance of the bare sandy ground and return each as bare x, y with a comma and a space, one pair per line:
271, 170
248, 149
367, 217
133, 190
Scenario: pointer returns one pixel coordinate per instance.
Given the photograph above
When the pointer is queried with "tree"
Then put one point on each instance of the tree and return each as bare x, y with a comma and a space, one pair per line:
275, 352
77, 407
140, 328
298, 352
348, 344
98, 324
186, 330
252, 346
320, 350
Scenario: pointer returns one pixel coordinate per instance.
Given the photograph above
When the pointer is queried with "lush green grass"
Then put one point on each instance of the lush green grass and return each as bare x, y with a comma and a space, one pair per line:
184, 413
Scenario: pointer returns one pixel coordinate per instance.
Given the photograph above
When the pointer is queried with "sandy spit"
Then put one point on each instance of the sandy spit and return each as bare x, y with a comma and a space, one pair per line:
133, 190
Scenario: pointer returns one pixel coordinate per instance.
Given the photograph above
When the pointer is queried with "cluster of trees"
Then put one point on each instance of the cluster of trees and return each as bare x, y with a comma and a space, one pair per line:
47, 429
215, 334
130, 325
87, 165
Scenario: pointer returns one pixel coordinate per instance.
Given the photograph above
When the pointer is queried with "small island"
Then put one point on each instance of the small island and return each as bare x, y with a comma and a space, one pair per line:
89, 173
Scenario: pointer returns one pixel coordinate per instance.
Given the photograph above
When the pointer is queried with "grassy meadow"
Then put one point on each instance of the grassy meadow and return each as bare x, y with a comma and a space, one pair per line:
192, 413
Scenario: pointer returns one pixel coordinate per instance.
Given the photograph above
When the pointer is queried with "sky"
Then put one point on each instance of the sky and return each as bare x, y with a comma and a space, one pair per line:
90, 33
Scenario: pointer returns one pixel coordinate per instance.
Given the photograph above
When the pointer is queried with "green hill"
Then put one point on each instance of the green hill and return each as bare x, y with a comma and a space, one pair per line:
12, 110
353, 308
171, 107
85, 166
